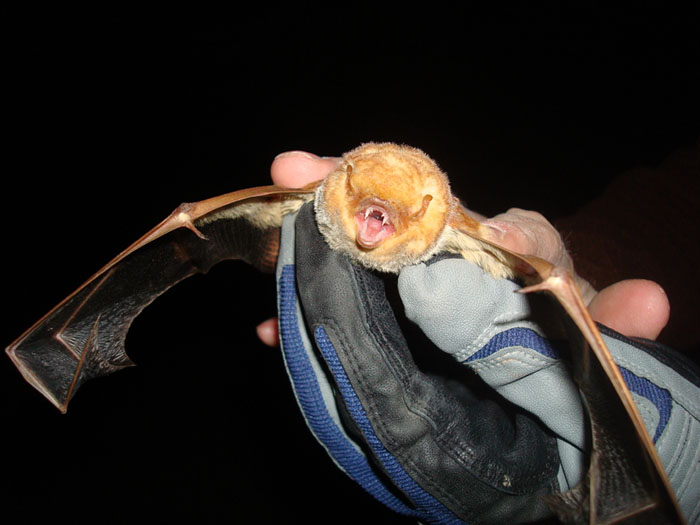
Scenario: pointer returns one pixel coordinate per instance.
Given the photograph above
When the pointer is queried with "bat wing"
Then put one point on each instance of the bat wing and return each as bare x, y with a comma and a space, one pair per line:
626, 479
83, 336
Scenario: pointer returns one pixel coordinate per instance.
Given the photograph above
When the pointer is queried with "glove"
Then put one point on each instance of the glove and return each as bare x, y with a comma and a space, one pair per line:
508, 340
424, 444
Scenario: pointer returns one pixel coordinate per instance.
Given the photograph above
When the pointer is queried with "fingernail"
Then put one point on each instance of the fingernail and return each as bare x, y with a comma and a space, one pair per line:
296, 153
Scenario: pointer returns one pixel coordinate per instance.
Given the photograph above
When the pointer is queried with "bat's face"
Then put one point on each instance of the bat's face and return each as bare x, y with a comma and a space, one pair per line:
385, 206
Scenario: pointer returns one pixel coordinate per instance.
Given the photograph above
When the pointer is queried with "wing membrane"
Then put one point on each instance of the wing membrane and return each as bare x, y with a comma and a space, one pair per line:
83, 337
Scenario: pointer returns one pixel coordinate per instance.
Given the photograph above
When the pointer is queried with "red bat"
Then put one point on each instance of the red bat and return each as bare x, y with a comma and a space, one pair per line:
385, 207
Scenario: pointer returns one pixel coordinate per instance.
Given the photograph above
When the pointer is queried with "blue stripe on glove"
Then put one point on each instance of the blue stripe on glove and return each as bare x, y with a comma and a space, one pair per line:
311, 401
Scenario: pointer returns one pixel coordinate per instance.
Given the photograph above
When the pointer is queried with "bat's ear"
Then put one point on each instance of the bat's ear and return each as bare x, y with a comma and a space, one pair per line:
426, 202
349, 166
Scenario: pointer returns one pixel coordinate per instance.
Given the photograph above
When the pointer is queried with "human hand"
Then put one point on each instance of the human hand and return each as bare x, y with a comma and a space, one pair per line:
294, 169
366, 400
633, 307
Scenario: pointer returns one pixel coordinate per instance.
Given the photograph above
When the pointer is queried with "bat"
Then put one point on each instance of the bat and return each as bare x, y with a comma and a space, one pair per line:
385, 207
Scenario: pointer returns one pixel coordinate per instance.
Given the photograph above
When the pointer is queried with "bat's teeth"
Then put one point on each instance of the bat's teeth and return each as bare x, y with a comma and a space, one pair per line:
373, 226
377, 214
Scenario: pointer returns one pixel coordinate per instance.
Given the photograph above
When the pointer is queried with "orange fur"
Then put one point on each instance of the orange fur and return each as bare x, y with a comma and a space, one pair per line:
416, 195
399, 176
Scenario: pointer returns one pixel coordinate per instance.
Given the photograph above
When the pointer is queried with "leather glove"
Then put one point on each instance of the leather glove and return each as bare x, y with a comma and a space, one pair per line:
508, 340
428, 445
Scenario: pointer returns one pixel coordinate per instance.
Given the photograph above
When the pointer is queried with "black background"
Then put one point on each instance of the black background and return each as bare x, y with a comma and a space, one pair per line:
112, 118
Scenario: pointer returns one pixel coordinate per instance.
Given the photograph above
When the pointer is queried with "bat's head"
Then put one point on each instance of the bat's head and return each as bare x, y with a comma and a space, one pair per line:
385, 206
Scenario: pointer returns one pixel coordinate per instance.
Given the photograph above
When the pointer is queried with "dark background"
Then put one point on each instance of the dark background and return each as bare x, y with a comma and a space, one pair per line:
115, 117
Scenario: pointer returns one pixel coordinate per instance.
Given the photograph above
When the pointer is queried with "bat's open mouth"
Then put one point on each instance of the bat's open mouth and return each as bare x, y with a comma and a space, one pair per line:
373, 226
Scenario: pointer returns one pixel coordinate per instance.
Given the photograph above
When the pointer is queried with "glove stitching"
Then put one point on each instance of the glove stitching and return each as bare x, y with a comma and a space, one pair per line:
680, 401
533, 478
686, 479
500, 324
423, 408
680, 364
644, 409
361, 301
688, 404
456, 449
484, 337
426, 411
378, 424
680, 446
445, 439
491, 491
678, 450
506, 356
379, 336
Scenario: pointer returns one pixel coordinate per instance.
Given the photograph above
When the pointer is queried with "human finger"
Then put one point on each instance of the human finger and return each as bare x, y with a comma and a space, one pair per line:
295, 169
268, 332
529, 233
633, 307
